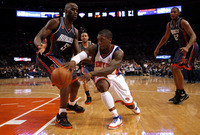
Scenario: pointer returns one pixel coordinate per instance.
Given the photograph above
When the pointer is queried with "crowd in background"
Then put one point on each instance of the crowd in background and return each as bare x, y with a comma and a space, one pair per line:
140, 67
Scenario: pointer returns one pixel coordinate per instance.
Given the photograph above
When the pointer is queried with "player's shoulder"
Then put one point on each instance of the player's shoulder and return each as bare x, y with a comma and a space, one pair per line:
54, 21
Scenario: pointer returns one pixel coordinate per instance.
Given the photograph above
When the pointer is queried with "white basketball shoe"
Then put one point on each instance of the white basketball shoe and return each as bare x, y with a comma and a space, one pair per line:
117, 121
136, 110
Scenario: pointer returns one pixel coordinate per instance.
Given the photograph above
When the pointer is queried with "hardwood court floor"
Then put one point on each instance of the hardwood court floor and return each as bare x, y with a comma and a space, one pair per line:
29, 106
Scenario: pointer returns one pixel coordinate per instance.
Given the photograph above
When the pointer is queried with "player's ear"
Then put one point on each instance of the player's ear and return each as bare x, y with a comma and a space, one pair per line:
110, 39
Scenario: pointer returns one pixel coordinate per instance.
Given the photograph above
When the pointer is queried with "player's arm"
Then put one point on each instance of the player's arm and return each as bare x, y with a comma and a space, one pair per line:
90, 58
76, 47
44, 33
163, 40
115, 63
90, 51
186, 26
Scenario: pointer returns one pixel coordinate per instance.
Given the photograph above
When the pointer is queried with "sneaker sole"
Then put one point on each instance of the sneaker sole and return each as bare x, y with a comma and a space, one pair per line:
87, 103
66, 127
109, 127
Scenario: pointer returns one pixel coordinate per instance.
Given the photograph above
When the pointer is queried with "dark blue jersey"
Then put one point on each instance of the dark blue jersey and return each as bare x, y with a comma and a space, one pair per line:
61, 41
83, 49
178, 33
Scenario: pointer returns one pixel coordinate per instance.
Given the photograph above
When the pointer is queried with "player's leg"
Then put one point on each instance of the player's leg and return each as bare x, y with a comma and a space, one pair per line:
122, 93
87, 93
47, 64
72, 105
103, 86
84, 70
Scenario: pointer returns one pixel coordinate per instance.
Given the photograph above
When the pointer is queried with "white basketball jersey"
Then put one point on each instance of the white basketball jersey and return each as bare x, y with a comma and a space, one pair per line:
102, 61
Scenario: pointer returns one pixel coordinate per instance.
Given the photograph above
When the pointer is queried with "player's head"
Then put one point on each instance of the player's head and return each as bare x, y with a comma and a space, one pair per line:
84, 37
71, 11
174, 13
104, 38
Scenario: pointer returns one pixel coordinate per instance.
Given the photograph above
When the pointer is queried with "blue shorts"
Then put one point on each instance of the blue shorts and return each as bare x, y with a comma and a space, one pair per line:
186, 61
49, 63
85, 69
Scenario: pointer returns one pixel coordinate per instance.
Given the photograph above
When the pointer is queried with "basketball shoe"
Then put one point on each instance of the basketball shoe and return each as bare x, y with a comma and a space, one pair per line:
117, 121
62, 121
179, 97
136, 110
89, 100
76, 108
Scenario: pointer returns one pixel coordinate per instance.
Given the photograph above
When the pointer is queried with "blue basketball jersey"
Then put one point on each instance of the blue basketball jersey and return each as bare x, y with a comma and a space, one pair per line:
61, 40
178, 33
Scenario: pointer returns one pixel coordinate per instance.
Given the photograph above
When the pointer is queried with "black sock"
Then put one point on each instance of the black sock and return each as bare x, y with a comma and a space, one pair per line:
87, 93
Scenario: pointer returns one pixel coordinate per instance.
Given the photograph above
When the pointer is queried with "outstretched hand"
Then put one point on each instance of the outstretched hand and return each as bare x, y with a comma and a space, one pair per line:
42, 47
86, 77
184, 50
70, 65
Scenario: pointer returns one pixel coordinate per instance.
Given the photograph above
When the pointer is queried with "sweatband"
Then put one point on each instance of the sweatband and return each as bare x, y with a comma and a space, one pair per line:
79, 57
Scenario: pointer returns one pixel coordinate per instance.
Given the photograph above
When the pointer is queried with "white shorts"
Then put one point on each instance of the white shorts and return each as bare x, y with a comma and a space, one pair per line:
118, 89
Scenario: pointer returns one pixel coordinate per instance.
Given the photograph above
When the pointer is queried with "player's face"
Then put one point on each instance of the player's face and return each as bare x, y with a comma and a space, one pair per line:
84, 37
72, 11
104, 42
174, 14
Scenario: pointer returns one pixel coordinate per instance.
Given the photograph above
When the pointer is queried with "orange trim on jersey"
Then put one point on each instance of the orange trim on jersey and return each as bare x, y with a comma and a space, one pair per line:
44, 65
74, 79
191, 56
107, 53
51, 48
82, 69
118, 101
184, 35
55, 61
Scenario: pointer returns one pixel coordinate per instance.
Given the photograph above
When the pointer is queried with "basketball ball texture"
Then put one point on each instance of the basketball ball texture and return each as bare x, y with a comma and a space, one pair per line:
61, 77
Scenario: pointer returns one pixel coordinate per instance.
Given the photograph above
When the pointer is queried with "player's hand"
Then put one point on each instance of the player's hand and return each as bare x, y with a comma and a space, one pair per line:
184, 50
86, 77
42, 47
156, 52
71, 65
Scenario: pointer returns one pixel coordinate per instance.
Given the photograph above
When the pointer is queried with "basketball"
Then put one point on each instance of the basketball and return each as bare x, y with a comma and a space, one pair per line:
61, 77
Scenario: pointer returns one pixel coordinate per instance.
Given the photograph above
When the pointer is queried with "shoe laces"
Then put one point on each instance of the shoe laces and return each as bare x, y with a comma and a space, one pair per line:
77, 106
115, 119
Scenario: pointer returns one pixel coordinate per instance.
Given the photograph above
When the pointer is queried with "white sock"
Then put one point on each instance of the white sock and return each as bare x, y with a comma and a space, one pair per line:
107, 99
62, 110
114, 113
72, 103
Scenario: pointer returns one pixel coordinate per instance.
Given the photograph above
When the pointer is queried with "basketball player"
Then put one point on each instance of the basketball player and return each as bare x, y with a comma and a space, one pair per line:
107, 77
85, 66
63, 39
184, 56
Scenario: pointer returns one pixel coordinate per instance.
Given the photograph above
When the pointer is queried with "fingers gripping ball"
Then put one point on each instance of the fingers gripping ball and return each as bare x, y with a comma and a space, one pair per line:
61, 77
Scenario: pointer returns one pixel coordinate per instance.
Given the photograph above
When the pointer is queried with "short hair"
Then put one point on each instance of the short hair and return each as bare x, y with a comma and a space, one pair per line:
69, 4
107, 33
176, 8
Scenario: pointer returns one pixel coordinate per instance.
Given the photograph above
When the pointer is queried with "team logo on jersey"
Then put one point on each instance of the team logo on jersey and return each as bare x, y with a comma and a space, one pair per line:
127, 98
64, 38
175, 33
62, 27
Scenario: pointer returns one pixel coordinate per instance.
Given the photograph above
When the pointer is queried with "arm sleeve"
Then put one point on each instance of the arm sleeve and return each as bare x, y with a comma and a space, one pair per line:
79, 57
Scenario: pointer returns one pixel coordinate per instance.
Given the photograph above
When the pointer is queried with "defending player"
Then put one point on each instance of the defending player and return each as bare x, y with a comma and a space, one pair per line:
64, 39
